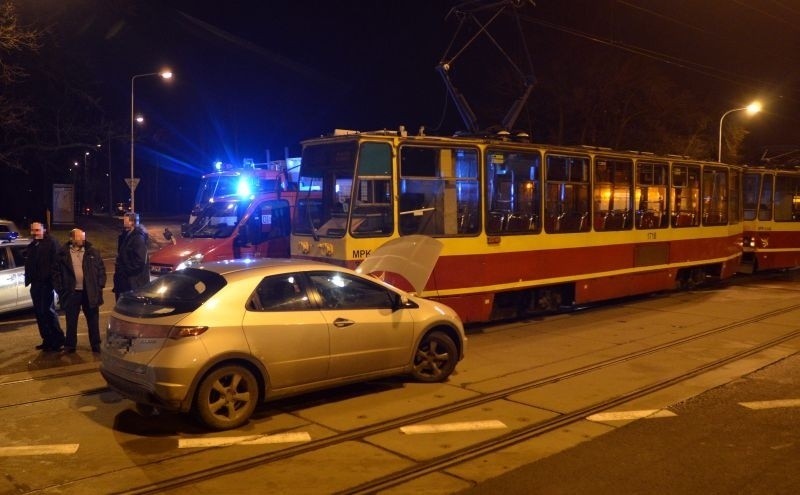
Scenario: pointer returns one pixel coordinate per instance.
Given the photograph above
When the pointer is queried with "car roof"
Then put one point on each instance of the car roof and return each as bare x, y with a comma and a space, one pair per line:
19, 241
227, 267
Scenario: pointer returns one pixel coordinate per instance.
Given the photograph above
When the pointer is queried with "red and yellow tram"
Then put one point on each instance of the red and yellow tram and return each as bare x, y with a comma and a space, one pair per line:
525, 227
771, 219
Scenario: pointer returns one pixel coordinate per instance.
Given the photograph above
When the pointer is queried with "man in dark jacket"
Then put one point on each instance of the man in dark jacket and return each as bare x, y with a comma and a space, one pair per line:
40, 260
79, 280
131, 269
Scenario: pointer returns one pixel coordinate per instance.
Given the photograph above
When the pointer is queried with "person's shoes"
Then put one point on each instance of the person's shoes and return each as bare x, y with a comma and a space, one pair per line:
96, 350
69, 350
41, 346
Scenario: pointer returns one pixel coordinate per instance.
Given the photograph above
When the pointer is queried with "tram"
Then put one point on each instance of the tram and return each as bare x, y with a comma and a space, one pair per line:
771, 219
525, 228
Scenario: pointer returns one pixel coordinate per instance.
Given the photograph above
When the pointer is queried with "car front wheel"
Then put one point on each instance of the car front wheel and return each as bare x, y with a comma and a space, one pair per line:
226, 398
435, 358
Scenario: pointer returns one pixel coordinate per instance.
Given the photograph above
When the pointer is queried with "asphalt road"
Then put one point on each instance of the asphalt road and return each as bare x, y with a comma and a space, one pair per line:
713, 445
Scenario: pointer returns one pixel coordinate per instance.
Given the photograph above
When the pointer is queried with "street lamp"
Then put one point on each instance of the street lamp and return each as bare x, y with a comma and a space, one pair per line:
751, 109
84, 182
165, 74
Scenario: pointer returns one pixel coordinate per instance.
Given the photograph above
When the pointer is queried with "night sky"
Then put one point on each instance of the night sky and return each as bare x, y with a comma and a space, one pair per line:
257, 77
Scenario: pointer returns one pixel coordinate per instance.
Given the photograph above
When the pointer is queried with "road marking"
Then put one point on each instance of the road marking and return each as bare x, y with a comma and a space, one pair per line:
449, 427
628, 415
771, 404
67, 448
195, 443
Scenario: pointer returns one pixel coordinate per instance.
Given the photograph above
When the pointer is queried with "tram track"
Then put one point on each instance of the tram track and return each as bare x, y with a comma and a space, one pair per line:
520, 435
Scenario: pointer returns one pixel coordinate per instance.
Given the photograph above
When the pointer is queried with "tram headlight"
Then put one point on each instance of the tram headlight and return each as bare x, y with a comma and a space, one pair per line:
749, 242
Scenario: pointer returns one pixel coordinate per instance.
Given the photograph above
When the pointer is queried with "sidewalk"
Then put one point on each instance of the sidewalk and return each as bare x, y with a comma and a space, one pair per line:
104, 230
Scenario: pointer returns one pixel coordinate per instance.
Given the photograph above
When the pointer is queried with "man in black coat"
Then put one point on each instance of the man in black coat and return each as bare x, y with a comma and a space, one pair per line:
79, 280
131, 269
40, 261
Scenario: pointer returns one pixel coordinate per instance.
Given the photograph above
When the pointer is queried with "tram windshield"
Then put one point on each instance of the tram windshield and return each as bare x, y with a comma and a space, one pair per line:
347, 187
325, 184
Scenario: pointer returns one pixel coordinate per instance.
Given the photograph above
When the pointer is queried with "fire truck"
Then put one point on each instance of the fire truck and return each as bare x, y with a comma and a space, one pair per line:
240, 212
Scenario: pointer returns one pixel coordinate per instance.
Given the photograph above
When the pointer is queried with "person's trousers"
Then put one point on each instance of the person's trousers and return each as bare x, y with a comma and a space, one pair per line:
46, 316
74, 303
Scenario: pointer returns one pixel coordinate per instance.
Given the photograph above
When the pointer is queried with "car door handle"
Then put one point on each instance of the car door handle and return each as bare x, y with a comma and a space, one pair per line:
341, 322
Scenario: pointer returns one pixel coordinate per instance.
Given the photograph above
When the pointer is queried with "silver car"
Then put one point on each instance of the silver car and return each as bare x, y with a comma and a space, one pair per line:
219, 338
13, 293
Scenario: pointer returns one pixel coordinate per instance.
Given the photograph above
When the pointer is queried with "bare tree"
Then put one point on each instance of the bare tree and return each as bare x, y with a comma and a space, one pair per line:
15, 41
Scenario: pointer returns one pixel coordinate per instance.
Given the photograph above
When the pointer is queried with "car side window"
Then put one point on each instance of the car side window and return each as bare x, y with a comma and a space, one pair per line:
280, 293
4, 264
19, 253
343, 291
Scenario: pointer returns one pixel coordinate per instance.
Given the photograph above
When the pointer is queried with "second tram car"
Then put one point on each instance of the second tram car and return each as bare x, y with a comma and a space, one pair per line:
525, 228
771, 219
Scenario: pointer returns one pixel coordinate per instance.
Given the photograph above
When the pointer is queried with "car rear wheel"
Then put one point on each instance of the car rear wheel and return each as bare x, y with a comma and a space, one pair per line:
226, 398
435, 358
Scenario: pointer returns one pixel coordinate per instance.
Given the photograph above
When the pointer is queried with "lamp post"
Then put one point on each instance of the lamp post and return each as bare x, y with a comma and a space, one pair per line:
84, 182
751, 109
165, 74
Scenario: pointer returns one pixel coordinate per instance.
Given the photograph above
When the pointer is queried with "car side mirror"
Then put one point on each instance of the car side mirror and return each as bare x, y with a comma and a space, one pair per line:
400, 301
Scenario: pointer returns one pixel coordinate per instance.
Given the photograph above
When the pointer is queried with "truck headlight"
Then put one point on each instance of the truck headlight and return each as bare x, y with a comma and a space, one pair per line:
192, 260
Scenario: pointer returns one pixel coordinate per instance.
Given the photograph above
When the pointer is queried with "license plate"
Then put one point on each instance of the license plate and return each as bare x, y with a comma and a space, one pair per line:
120, 343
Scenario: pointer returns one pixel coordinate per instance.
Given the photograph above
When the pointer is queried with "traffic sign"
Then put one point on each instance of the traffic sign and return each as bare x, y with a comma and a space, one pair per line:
132, 183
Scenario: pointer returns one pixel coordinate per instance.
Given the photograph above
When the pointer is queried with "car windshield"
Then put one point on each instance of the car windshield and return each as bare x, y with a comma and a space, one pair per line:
178, 292
216, 220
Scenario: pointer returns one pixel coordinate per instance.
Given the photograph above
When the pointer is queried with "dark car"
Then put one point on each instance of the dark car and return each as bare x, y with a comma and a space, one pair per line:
121, 209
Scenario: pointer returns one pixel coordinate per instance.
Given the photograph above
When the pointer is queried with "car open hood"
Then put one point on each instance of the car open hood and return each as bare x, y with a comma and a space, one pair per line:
413, 257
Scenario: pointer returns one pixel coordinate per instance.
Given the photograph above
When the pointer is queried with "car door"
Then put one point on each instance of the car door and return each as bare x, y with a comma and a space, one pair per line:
17, 256
8, 281
287, 332
367, 335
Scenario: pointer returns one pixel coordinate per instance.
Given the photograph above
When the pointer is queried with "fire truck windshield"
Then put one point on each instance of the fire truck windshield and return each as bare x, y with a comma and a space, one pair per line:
216, 220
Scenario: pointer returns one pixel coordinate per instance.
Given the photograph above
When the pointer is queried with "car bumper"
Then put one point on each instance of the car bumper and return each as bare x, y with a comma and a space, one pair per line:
161, 388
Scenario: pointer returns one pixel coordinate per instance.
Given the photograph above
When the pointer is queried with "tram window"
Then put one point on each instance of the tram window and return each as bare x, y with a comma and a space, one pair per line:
613, 185
685, 195
439, 193
566, 194
513, 192
652, 191
765, 201
787, 198
752, 186
715, 196
371, 212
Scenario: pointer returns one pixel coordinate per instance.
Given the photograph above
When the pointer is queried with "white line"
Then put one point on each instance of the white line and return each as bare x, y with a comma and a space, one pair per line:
67, 448
771, 404
194, 443
628, 415
448, 427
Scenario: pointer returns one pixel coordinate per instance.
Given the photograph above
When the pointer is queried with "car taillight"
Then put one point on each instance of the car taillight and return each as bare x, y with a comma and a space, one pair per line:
181, 332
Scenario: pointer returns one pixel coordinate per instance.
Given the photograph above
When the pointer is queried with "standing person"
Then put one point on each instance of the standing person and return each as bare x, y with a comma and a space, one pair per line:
79, 280
131, 269
40, 261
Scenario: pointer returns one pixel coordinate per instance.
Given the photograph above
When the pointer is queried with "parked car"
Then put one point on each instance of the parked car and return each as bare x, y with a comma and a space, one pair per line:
218, 338
8, 226
13, 293
121, 209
